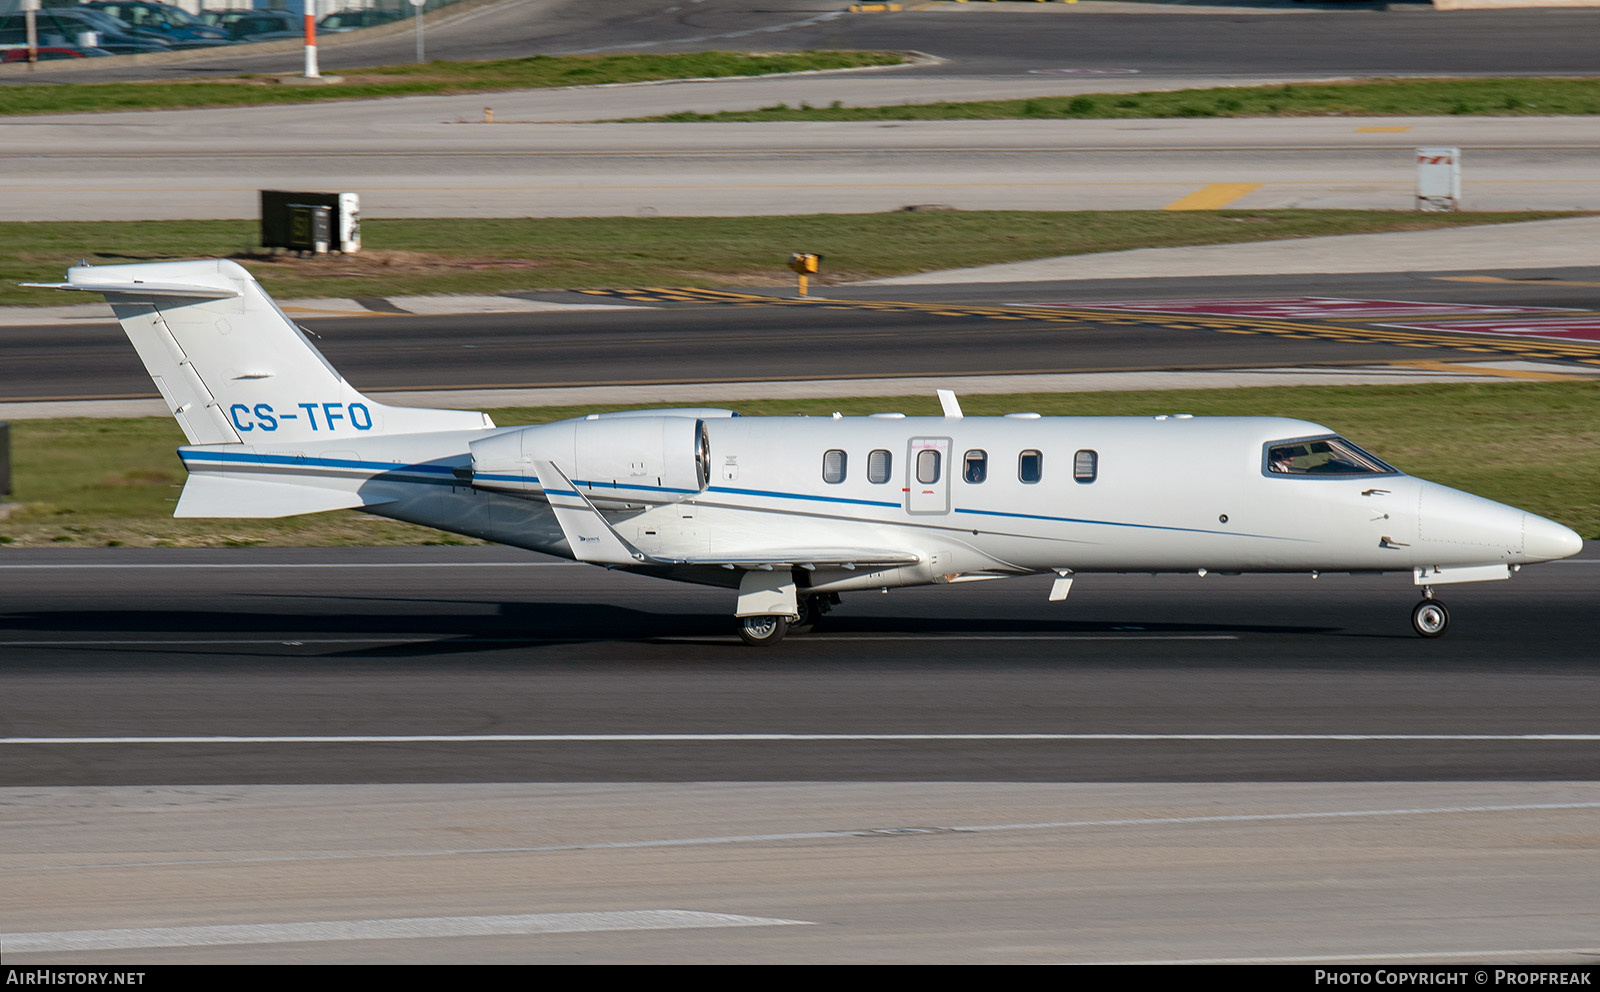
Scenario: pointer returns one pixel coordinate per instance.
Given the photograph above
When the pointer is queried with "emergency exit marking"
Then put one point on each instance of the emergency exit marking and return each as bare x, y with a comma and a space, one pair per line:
1561, 328
1297, 307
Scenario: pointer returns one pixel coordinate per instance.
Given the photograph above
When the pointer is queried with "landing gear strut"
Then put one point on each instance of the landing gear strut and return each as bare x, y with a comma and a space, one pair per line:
811, 609
1429, 618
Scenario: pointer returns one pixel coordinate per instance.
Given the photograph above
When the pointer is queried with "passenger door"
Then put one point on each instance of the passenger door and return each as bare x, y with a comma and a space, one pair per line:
928, 475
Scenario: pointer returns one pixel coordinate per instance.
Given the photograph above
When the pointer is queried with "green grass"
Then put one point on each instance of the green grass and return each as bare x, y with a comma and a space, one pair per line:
433, 77
495, 255
97, 483
1379, 98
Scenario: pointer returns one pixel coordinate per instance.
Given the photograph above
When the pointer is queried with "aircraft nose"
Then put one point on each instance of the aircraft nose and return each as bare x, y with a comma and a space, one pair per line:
1546, 540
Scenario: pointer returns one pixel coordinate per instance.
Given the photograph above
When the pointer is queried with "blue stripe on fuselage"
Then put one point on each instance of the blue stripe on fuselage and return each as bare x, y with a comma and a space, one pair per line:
244, 458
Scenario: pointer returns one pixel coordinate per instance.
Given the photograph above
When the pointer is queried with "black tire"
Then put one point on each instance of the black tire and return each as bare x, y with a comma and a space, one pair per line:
763, 631
1429, 618
810, 612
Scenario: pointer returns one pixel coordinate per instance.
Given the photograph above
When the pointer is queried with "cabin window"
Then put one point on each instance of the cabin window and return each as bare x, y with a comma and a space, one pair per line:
879, 465
928, 466
833, 463
1086, 466
1030, 466
1322, 456
975, 466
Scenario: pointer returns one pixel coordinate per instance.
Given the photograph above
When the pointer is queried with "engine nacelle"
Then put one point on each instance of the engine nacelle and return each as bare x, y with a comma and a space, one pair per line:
618, 462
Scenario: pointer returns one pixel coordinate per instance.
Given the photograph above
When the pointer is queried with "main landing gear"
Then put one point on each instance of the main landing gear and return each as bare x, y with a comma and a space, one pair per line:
1429, 618
765, 630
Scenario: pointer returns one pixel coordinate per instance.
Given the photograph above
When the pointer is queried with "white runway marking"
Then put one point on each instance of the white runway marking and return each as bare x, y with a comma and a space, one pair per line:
785, 738
1471, 956
426, 926
452, 639
318, 564
845, 834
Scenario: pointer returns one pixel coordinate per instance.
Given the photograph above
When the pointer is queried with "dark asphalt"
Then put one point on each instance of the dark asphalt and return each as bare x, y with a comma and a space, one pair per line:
751, 340
1285, 39
452, 645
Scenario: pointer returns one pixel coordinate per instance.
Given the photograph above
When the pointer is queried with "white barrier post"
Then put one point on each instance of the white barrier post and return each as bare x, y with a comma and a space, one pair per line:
311, 40
1439, 179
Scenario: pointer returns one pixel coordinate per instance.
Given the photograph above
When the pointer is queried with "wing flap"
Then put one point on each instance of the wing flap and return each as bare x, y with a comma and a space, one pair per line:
804, 558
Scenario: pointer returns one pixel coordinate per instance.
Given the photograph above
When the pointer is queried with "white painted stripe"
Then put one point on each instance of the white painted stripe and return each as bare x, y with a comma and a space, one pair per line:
828, 835
323, 564
1472, 956
412, 928
305, 641
232, 641
1127, 636
786, 738
67, 566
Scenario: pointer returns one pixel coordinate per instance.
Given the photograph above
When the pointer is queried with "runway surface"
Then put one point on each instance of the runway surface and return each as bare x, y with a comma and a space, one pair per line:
1274, 36
443, 755
483, 665
852, 332
117, 167
212, 163
587, 766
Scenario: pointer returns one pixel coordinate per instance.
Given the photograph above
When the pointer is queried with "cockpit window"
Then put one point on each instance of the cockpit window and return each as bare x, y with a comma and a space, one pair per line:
1322, 456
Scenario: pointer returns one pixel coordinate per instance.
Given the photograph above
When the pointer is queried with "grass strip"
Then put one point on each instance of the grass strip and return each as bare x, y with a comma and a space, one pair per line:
486, 256
106, 483
536, 72
1378, 98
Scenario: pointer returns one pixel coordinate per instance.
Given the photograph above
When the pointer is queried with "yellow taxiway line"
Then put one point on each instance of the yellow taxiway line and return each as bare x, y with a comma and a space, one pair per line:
1213, 197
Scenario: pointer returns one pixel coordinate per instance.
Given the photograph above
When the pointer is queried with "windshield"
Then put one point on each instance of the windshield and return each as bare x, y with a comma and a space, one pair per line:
1329, 455
103, 20
178, 16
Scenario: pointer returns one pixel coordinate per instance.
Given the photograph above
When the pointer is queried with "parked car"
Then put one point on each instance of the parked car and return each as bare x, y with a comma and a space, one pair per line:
181, 28
256, 25
350, 20
51, 53
60, 27
114, 25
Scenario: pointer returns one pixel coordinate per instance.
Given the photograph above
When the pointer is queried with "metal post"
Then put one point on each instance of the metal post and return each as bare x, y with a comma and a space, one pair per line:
311, 40
31, 19
417, 5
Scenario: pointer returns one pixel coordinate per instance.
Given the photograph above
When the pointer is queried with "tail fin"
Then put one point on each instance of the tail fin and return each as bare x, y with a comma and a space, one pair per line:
232, 367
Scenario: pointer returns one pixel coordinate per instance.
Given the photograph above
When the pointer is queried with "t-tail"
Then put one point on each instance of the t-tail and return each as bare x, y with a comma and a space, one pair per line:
243, 381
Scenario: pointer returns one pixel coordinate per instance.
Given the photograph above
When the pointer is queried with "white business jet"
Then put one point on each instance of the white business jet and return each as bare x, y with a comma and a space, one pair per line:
791, 511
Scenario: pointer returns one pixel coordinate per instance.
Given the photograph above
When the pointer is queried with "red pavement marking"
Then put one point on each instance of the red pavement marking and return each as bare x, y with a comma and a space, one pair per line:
1297, 307
1560, 328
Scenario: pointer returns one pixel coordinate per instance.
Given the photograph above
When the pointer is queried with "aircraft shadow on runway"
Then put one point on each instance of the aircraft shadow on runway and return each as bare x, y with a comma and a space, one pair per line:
424, 634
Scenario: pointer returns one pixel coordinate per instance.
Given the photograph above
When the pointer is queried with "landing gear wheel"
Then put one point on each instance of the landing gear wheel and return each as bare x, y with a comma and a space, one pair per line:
811, 610
1429, 618
762, 631
807, 618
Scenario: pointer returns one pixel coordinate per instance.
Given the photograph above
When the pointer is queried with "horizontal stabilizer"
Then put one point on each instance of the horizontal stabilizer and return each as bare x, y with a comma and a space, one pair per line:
207, 495
140, 288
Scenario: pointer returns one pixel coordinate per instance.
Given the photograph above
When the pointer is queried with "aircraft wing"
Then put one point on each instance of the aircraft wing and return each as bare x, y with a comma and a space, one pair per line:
804, 558
592, 539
